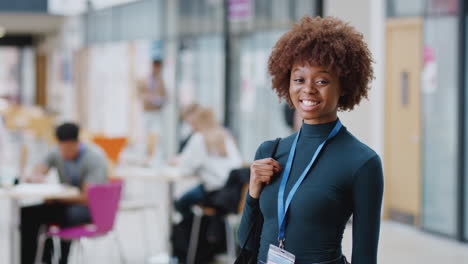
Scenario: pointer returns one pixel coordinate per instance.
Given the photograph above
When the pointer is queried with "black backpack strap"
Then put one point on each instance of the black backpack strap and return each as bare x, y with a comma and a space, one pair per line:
275, 147
257, 210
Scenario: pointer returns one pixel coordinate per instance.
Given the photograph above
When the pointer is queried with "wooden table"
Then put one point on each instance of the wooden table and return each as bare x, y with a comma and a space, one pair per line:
28, 191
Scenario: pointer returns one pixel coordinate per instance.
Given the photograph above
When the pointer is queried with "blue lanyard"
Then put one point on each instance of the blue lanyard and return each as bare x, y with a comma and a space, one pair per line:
283, 207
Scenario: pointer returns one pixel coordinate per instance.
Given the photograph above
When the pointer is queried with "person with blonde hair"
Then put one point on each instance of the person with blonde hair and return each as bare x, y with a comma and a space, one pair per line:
210, 154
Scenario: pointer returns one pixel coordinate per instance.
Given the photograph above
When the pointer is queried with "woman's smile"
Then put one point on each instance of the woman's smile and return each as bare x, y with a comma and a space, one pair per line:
309, 105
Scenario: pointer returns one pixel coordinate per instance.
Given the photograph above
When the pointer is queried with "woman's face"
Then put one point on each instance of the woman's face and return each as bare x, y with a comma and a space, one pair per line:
315, 91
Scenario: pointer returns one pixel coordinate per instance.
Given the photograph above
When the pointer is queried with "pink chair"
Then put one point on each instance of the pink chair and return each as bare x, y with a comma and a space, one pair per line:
103, 203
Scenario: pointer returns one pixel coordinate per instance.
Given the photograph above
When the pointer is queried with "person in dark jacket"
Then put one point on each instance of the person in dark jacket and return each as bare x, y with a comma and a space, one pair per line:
321, 175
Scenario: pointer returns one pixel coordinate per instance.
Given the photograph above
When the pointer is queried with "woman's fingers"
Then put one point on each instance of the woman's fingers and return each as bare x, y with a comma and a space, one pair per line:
266, 170
265, 179
264, 173
261, 167
261, 172
267, 161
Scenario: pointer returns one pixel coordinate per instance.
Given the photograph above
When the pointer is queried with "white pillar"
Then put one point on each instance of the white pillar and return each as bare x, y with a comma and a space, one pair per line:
170, 63
366, 121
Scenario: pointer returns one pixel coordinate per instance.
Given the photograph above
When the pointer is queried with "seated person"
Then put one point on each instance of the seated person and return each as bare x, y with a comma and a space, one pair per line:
210, 154
79, 165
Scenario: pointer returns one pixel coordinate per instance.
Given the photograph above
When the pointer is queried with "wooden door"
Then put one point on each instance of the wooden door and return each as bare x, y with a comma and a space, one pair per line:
402, 156
41, 80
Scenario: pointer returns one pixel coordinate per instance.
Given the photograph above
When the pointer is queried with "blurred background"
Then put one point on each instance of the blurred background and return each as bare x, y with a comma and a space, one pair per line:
83, 60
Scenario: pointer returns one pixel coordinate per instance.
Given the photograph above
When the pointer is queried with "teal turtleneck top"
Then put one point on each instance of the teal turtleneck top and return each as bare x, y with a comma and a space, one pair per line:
346, 179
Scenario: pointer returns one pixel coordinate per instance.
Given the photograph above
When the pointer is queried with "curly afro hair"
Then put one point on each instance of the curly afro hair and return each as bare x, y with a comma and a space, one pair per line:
328, 42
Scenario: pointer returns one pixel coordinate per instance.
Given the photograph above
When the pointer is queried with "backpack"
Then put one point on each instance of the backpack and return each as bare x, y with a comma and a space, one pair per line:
211, 240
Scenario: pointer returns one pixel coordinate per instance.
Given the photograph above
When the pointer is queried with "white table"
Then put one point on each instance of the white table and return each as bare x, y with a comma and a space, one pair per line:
28, 191
168, 175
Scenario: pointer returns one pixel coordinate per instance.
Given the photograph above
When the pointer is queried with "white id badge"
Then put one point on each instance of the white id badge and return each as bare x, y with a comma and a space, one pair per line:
277, 255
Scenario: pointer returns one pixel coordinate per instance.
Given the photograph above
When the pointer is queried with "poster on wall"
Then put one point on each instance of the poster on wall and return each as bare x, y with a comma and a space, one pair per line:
108, 86
9, 73
429, 72
240, 10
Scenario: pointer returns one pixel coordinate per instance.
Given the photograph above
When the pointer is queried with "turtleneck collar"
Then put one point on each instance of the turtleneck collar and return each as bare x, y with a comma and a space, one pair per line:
319, 130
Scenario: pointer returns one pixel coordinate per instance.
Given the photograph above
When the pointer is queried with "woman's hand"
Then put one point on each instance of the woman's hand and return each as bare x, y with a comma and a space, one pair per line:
262, 172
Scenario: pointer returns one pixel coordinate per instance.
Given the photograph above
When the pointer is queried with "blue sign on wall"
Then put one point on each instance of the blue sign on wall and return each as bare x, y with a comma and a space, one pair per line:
39, 6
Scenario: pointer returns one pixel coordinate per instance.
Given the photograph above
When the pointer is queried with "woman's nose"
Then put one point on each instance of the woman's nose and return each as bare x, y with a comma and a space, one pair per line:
310, 88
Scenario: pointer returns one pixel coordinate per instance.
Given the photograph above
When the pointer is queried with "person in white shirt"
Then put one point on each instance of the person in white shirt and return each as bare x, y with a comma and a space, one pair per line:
210, 154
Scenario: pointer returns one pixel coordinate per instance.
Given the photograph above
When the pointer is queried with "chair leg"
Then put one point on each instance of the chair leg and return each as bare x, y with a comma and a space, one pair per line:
74, 251
119, 247
57, 250
194, 237
41, 238
230, 243
145, 234
80, 252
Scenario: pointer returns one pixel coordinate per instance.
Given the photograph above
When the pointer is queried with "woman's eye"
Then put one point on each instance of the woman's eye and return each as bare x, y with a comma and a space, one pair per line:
298, 80
322, 82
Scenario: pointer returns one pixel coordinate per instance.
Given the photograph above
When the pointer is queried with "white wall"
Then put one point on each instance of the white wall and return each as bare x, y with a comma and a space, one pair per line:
366, 121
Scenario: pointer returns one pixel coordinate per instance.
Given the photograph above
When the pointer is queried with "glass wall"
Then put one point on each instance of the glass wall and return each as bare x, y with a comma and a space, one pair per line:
143, 19
404, 8
256, 114
200, 72
201, 56
194, 32
465, 17
440, 110
258, 108
440, 120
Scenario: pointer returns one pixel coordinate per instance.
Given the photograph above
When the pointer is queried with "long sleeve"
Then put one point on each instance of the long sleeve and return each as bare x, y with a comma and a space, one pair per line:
367, 202
250, 211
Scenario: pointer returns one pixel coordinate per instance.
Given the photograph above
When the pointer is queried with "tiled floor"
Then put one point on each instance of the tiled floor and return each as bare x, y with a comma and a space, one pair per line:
404, 245
398, 244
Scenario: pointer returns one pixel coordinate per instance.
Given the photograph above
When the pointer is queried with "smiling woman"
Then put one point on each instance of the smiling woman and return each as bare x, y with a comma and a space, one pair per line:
331, 44
314, 92
322, 174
